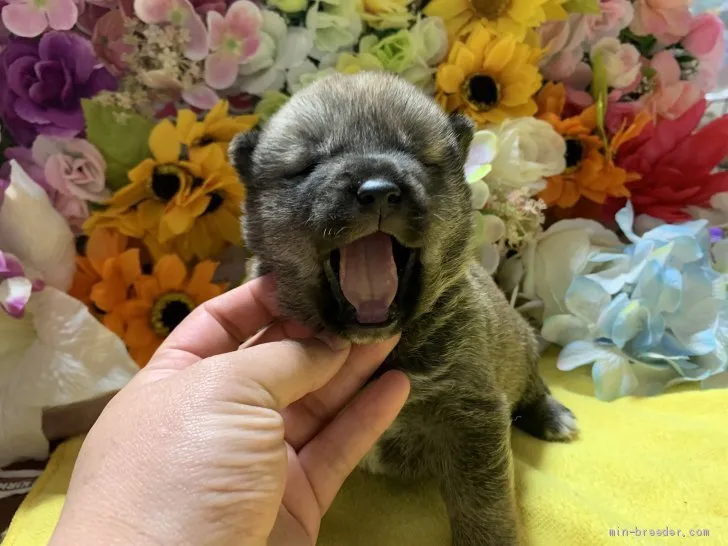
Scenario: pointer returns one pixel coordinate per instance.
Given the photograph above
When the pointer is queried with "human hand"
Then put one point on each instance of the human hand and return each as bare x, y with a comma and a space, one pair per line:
213, 443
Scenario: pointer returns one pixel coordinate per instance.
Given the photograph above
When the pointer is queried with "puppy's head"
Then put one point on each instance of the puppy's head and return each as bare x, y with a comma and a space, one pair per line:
356, 201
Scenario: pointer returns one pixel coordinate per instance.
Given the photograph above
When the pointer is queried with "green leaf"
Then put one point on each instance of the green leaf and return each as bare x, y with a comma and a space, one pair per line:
587, 7
600, 91
121, 137
644, 44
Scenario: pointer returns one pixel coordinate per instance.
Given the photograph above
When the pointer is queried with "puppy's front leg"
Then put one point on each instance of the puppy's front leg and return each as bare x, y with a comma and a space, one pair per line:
477, 482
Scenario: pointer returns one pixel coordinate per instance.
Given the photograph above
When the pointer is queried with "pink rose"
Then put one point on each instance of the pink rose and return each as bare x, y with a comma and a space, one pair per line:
564, 45
671, 97
705, 41
615, 15
621, 61
76, 170
667, 20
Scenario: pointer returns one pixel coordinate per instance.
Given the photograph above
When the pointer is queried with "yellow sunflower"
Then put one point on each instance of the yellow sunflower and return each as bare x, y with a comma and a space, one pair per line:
514, 17
189, 205
161, 301
209, 218
216, 128
157, 184
489, 77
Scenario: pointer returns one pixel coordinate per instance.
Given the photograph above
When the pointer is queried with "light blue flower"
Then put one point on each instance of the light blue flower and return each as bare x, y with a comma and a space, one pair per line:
648, 317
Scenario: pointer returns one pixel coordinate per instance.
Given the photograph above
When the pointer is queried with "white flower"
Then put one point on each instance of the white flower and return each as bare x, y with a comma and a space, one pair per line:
305, 74
528, 150
429, 41
429, 37
621, 61
282, 49
546, 266
335, 24
35, 232
57, 354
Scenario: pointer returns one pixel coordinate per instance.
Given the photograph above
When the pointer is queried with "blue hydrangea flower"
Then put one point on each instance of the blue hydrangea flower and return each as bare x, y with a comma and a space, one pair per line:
647, 317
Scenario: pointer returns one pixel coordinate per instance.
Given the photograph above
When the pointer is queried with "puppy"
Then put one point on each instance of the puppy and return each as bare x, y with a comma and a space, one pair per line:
357, 202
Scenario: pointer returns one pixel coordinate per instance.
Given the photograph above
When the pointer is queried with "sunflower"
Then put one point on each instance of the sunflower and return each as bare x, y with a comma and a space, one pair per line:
160, 183
92, 251
515, 17
217, 128
209, 218
590, 170
161, 301
489, 77
176, 203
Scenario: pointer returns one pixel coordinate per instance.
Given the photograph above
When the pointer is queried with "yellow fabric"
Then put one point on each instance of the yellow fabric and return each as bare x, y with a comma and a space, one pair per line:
652, 464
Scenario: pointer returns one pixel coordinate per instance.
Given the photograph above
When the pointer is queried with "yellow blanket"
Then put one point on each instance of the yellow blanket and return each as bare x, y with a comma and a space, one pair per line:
641, 468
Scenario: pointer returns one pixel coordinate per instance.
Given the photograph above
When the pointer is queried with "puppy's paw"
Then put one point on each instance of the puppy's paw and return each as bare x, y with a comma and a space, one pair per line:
548, 419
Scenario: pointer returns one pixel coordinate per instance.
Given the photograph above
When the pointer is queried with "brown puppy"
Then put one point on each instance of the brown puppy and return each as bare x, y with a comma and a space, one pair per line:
357, 202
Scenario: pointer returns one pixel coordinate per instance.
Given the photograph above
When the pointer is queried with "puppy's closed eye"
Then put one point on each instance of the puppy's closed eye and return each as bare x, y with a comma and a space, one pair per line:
304, 170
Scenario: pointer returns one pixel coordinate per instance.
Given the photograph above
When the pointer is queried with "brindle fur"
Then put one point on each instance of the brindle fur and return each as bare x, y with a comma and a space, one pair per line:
472, 359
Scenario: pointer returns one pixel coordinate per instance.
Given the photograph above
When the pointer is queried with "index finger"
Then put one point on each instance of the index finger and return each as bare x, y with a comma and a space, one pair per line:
221, 324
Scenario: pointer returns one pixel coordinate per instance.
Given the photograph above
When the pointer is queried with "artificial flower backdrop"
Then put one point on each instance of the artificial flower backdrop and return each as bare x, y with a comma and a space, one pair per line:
597, 200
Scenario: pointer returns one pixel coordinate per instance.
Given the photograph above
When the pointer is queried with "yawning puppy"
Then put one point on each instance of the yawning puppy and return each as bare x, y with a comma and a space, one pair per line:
357, 202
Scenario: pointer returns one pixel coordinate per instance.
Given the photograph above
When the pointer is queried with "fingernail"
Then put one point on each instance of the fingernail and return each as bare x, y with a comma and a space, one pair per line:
334, 342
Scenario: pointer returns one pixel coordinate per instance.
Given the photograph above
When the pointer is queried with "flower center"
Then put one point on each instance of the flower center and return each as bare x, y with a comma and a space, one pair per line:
169, 310
574, 153
81, 243
482, 90
166, 182
490, 9
215, 203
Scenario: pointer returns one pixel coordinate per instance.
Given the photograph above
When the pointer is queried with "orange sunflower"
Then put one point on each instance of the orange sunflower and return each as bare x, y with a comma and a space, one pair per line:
590, 170
162, 300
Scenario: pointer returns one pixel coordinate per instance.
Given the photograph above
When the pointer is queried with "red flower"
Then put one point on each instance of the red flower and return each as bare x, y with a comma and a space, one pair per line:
676, 163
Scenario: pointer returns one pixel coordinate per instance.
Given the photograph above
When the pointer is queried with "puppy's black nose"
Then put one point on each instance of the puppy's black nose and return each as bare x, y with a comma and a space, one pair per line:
378, 193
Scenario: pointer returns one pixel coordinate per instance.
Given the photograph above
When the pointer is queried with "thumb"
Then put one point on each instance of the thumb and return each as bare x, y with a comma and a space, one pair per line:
274, 375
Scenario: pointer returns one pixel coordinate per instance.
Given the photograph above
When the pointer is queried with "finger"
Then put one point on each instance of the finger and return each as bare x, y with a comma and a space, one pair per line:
305, 418
331, 456
221, 324
274, 375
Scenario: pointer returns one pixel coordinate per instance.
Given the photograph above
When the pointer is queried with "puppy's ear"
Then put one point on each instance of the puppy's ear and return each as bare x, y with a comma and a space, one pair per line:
241, 151
463, 127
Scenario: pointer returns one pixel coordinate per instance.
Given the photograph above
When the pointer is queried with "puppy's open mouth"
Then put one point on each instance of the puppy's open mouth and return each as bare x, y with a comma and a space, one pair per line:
373, 279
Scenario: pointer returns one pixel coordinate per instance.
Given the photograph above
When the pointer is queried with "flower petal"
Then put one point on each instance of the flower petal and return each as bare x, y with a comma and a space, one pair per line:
586, 299
170, 271
14, 295
243, 19
197, 48
46, 247
200, 96
613, 376
164, 142
62, 14
216, 26
221, 70
480, 195
24, 19
564, 329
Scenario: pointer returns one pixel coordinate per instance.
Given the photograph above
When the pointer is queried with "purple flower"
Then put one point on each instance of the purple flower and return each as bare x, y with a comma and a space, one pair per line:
46, 81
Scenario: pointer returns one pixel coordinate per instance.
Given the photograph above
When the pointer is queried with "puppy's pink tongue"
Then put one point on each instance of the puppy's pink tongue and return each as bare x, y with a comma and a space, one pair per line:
368, 277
